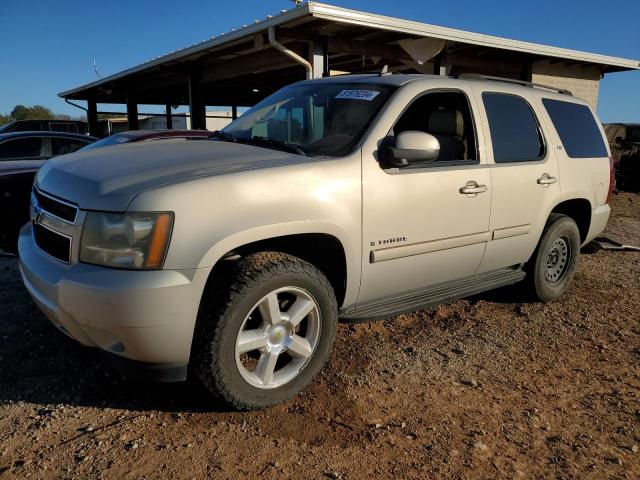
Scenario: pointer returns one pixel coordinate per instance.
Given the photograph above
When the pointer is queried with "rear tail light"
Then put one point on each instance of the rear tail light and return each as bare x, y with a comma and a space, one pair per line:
612, 179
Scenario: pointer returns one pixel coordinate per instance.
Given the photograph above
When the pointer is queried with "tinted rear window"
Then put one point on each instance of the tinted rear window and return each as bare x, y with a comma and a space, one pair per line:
63, 127
514, 128
578, 130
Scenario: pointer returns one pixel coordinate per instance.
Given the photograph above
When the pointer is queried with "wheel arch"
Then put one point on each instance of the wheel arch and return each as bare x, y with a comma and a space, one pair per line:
578, 209
323, 247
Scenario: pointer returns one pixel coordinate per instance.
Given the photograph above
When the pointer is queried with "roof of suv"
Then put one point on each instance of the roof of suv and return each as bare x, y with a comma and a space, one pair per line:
46, 133
394, 79
401, 79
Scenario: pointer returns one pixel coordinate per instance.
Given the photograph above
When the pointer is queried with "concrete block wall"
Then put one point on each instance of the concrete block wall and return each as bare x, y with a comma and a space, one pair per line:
583, 82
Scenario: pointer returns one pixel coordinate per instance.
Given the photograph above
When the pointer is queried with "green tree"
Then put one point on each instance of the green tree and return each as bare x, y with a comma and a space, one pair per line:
38, 112
20, 112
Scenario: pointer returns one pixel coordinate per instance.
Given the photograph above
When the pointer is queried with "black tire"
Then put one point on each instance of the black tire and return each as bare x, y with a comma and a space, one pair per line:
545, 282
226, 306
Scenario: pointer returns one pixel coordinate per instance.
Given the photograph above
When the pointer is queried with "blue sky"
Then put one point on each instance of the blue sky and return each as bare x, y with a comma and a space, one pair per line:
48, 47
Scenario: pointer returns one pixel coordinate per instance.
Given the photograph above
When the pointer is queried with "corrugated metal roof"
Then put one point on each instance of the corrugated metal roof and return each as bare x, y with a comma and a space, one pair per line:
344, 15
359, 18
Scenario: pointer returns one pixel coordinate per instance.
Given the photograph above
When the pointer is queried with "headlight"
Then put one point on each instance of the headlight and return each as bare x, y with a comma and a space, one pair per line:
126, 240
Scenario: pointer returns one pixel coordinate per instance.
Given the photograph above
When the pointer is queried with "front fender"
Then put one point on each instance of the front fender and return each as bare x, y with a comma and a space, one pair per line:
266, 232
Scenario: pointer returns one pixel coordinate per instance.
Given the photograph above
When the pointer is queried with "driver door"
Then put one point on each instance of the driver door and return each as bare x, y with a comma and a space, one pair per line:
419, 227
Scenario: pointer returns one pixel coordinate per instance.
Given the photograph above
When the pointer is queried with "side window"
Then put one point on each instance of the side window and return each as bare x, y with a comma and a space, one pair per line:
577, 129
59, 127
61, 146
20, 148
515, 132
446, 116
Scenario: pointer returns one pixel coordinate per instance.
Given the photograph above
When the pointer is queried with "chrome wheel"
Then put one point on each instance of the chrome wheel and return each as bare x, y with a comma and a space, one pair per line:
278, 337
557, 260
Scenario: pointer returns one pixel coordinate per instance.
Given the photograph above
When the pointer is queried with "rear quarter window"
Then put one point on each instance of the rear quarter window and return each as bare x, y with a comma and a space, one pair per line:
577, 128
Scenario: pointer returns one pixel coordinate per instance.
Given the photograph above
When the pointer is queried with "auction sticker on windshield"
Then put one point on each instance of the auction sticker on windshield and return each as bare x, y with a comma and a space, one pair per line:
366, 95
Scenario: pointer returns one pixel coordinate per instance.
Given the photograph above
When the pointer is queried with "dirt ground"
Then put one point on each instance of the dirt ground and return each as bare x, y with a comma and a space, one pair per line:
489, 387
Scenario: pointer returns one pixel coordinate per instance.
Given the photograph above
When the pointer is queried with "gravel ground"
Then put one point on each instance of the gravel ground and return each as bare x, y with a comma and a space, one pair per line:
489, 387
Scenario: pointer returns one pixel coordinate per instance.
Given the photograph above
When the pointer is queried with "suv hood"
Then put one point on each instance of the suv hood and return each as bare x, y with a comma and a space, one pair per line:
109, 178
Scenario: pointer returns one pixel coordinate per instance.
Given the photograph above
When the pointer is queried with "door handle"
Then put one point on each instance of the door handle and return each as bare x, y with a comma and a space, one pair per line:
472, 188
546, 179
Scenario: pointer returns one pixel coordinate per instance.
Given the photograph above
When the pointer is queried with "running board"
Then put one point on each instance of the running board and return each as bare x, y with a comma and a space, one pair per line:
441, 293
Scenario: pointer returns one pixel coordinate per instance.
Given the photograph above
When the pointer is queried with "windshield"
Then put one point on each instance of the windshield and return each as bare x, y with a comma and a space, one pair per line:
319, 119
6, 127
114, 139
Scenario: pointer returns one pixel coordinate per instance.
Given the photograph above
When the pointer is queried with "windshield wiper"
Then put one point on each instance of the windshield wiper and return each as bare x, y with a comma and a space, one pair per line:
224, 136
275, 144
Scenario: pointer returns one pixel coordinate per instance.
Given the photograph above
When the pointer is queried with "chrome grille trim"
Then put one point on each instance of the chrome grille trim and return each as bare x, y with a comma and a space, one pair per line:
56, 207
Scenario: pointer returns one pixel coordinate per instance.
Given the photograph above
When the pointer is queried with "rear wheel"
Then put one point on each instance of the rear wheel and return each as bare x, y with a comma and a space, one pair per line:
266, 332
553, 265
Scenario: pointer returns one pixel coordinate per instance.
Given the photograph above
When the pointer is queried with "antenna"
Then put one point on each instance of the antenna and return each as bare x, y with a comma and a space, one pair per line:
95, 69
385, 71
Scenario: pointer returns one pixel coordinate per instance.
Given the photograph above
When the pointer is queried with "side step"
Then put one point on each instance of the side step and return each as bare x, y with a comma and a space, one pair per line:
437, 294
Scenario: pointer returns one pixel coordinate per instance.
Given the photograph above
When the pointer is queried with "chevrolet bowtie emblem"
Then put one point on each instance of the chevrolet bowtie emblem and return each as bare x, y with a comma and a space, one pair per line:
36, 214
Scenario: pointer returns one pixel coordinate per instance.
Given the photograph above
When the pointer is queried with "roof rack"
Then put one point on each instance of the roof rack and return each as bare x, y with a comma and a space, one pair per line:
476, 76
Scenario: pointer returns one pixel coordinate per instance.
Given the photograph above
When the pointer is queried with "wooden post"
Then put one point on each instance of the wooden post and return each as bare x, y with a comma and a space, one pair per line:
92, 118
132, 114
168, 116
196, 105
320, 58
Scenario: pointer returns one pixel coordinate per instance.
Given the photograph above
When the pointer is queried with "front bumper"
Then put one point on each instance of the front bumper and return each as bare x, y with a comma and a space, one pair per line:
143, 316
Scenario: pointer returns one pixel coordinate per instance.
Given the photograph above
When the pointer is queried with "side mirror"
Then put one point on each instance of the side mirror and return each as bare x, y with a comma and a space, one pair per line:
410, 147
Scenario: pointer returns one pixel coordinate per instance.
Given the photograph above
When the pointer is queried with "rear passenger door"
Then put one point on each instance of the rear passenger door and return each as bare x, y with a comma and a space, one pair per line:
524, 175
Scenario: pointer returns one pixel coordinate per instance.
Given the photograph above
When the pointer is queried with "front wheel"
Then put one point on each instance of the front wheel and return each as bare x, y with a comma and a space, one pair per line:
553, 265
267, 331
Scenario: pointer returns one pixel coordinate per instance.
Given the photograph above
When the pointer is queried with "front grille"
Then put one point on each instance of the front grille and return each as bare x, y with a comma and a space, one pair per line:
54, 207
55, 244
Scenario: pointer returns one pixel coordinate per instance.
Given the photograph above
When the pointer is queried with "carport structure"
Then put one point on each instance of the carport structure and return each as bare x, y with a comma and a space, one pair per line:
240, 67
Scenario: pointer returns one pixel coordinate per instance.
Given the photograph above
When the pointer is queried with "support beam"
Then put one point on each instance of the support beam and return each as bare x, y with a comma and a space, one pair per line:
132, 114
92, 118
437, 64
349, 45
527, 68
368, 49
197, 107
168, 116
320, 58
326, 69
